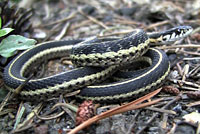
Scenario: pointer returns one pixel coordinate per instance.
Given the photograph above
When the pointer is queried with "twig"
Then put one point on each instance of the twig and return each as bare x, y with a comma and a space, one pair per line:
174, 6
198, 128
127, 22
190, 83
157, 24
156, 114
187, 83
20, 87
147, 123
172, 129
111, 112
179, 68
189, 88
165, 116
196, 103
187, 52
63, 32
164, 121
72, 93
196, 30
115, 33
27, 123
179, 46
124, 108
50, 117
5, 100
67, 110
185, 72
22, 129
123, 20
192, 21
93, 19
70, 106
20, 112
72, 15
194, 71
6, 111
133, 123
191, 58
47, 11
160, 110
81, 24
15, 93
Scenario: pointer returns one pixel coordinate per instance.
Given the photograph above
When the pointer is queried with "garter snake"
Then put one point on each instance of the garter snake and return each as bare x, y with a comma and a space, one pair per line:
96, 59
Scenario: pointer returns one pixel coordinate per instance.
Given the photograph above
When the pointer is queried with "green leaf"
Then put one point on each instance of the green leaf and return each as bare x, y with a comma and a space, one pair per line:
5, 31
12, 43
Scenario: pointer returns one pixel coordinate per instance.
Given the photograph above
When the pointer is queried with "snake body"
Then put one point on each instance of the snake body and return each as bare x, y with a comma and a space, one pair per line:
112, 52
99, 59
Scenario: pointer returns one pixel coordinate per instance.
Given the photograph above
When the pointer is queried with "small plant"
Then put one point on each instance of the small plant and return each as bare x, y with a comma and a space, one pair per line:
12, 43
4, 31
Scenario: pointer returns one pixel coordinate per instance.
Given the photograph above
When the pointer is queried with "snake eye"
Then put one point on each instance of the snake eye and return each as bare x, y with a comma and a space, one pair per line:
178, 32
164, 39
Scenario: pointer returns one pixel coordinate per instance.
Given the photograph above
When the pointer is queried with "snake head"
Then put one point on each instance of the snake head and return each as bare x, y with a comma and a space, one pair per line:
176, 33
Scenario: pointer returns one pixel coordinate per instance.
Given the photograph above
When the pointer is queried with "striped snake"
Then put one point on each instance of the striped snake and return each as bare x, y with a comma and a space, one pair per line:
96, 59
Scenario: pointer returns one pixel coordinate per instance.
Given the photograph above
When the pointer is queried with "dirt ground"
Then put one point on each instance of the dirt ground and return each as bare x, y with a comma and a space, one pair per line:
177, 113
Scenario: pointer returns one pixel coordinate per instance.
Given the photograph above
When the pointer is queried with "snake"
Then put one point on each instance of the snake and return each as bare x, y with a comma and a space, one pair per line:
96, 60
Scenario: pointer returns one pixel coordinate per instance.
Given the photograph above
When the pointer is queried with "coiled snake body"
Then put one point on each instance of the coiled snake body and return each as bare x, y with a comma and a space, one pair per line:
99, 58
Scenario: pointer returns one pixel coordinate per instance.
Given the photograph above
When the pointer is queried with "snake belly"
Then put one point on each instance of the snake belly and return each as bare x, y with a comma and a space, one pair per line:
99, 58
